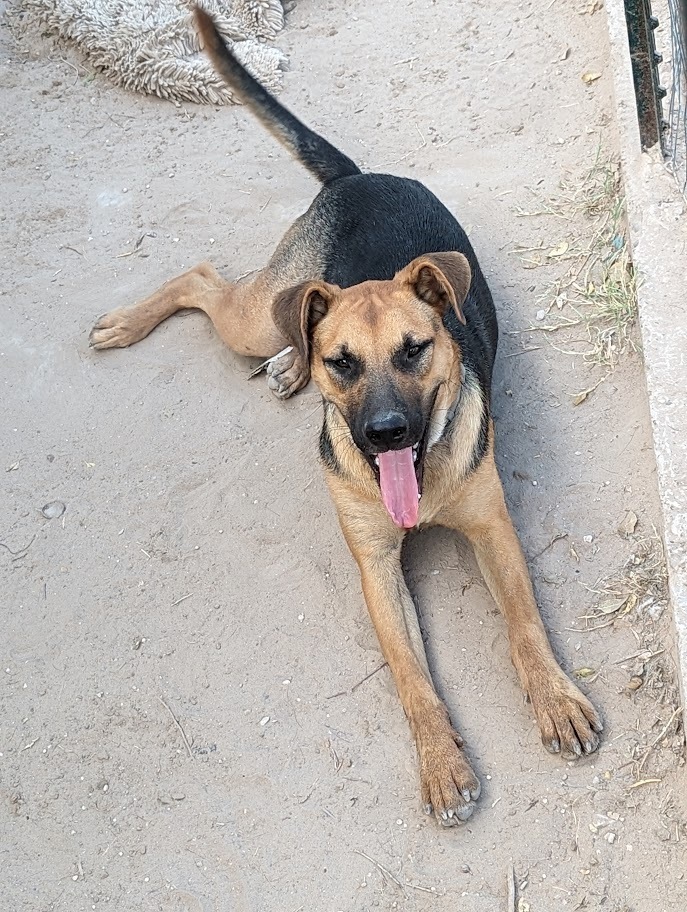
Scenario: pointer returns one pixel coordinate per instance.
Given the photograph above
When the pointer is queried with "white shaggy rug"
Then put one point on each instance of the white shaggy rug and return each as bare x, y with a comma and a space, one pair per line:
151, 46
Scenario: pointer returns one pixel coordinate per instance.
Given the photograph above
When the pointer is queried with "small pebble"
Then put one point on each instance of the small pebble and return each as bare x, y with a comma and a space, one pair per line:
54, 509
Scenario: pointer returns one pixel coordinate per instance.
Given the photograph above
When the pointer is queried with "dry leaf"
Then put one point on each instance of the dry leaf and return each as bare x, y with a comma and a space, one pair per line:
612, 607
629, 523
589, 78
579, 398
631, 603
635, 682
558, 250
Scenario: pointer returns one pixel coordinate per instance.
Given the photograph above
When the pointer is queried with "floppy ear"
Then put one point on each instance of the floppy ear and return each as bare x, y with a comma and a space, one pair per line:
441, 280
298, 310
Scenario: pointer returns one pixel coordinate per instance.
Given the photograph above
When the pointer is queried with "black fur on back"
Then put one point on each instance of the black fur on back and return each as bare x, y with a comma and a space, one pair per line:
367, 226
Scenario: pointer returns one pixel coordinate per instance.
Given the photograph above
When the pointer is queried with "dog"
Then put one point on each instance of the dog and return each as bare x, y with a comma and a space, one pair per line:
376, 293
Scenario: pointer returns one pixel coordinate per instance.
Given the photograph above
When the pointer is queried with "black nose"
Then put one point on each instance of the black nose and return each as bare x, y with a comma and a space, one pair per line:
387, 430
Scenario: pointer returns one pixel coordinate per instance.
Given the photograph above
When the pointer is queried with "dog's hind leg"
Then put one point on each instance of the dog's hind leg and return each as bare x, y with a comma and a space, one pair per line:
241, 314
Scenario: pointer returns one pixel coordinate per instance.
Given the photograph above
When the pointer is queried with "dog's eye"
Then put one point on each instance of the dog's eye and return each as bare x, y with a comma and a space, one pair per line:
343, 364
414, 349
344, 369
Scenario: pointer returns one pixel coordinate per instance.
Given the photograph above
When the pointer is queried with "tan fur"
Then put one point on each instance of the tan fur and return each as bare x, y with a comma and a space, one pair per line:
288, 303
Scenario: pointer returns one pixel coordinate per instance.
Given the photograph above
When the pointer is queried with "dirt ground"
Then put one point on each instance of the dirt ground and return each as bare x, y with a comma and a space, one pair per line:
186, 717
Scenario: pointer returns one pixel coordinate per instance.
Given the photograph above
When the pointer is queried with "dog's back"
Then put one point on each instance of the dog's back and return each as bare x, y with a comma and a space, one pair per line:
364, 226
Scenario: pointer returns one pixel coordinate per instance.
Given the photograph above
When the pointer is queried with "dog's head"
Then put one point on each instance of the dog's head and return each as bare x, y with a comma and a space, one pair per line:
380, 353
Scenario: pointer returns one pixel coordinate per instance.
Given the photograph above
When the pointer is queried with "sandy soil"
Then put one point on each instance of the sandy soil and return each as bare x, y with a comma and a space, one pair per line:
199, 570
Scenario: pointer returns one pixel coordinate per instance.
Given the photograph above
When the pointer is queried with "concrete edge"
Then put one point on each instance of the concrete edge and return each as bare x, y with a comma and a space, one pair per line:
658, 240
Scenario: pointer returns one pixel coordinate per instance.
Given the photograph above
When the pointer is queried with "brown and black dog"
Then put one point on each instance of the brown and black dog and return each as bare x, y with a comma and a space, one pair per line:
378, 293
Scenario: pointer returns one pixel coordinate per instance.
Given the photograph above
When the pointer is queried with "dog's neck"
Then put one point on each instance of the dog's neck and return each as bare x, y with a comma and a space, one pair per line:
440, 423
453, 410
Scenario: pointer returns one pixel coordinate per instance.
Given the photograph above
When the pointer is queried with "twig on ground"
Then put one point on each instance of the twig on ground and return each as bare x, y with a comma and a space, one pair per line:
75, 68
664, 732
557, 537
523, 351
342, 693
178, 725
17, 555
367, 677
511, 889
431, 890
380, 867
410, 152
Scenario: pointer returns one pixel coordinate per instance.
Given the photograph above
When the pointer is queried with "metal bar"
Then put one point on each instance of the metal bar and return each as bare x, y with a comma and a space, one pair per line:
648, 91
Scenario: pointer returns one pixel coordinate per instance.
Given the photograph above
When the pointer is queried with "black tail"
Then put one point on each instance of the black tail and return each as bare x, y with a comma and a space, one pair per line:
318, 156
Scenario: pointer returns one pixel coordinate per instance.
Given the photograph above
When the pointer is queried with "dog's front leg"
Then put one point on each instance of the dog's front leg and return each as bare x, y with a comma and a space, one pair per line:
449, 787
567, 720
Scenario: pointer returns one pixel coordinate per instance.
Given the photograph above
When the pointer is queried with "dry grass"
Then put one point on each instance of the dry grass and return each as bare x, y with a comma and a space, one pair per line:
598, 293
635, 596
639, 585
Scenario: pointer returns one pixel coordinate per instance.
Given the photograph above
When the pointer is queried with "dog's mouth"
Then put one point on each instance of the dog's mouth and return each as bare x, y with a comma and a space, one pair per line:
399, 476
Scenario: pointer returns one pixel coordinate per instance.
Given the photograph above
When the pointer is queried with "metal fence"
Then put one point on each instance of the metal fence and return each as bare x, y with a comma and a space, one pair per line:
675, 145
666, 128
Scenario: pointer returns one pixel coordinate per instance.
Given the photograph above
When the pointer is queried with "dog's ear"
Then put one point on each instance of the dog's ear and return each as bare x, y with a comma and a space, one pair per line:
441, 280
298, 310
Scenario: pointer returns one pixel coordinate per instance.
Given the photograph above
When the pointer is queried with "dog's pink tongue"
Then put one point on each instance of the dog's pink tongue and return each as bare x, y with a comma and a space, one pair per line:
398, 483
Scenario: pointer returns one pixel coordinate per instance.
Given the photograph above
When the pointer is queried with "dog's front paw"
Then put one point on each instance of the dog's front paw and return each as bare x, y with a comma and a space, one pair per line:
286, 374
568, 722
449, 786
117, 329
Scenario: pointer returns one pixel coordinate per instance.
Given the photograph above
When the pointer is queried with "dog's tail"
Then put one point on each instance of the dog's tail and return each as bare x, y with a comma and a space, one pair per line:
318, 156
